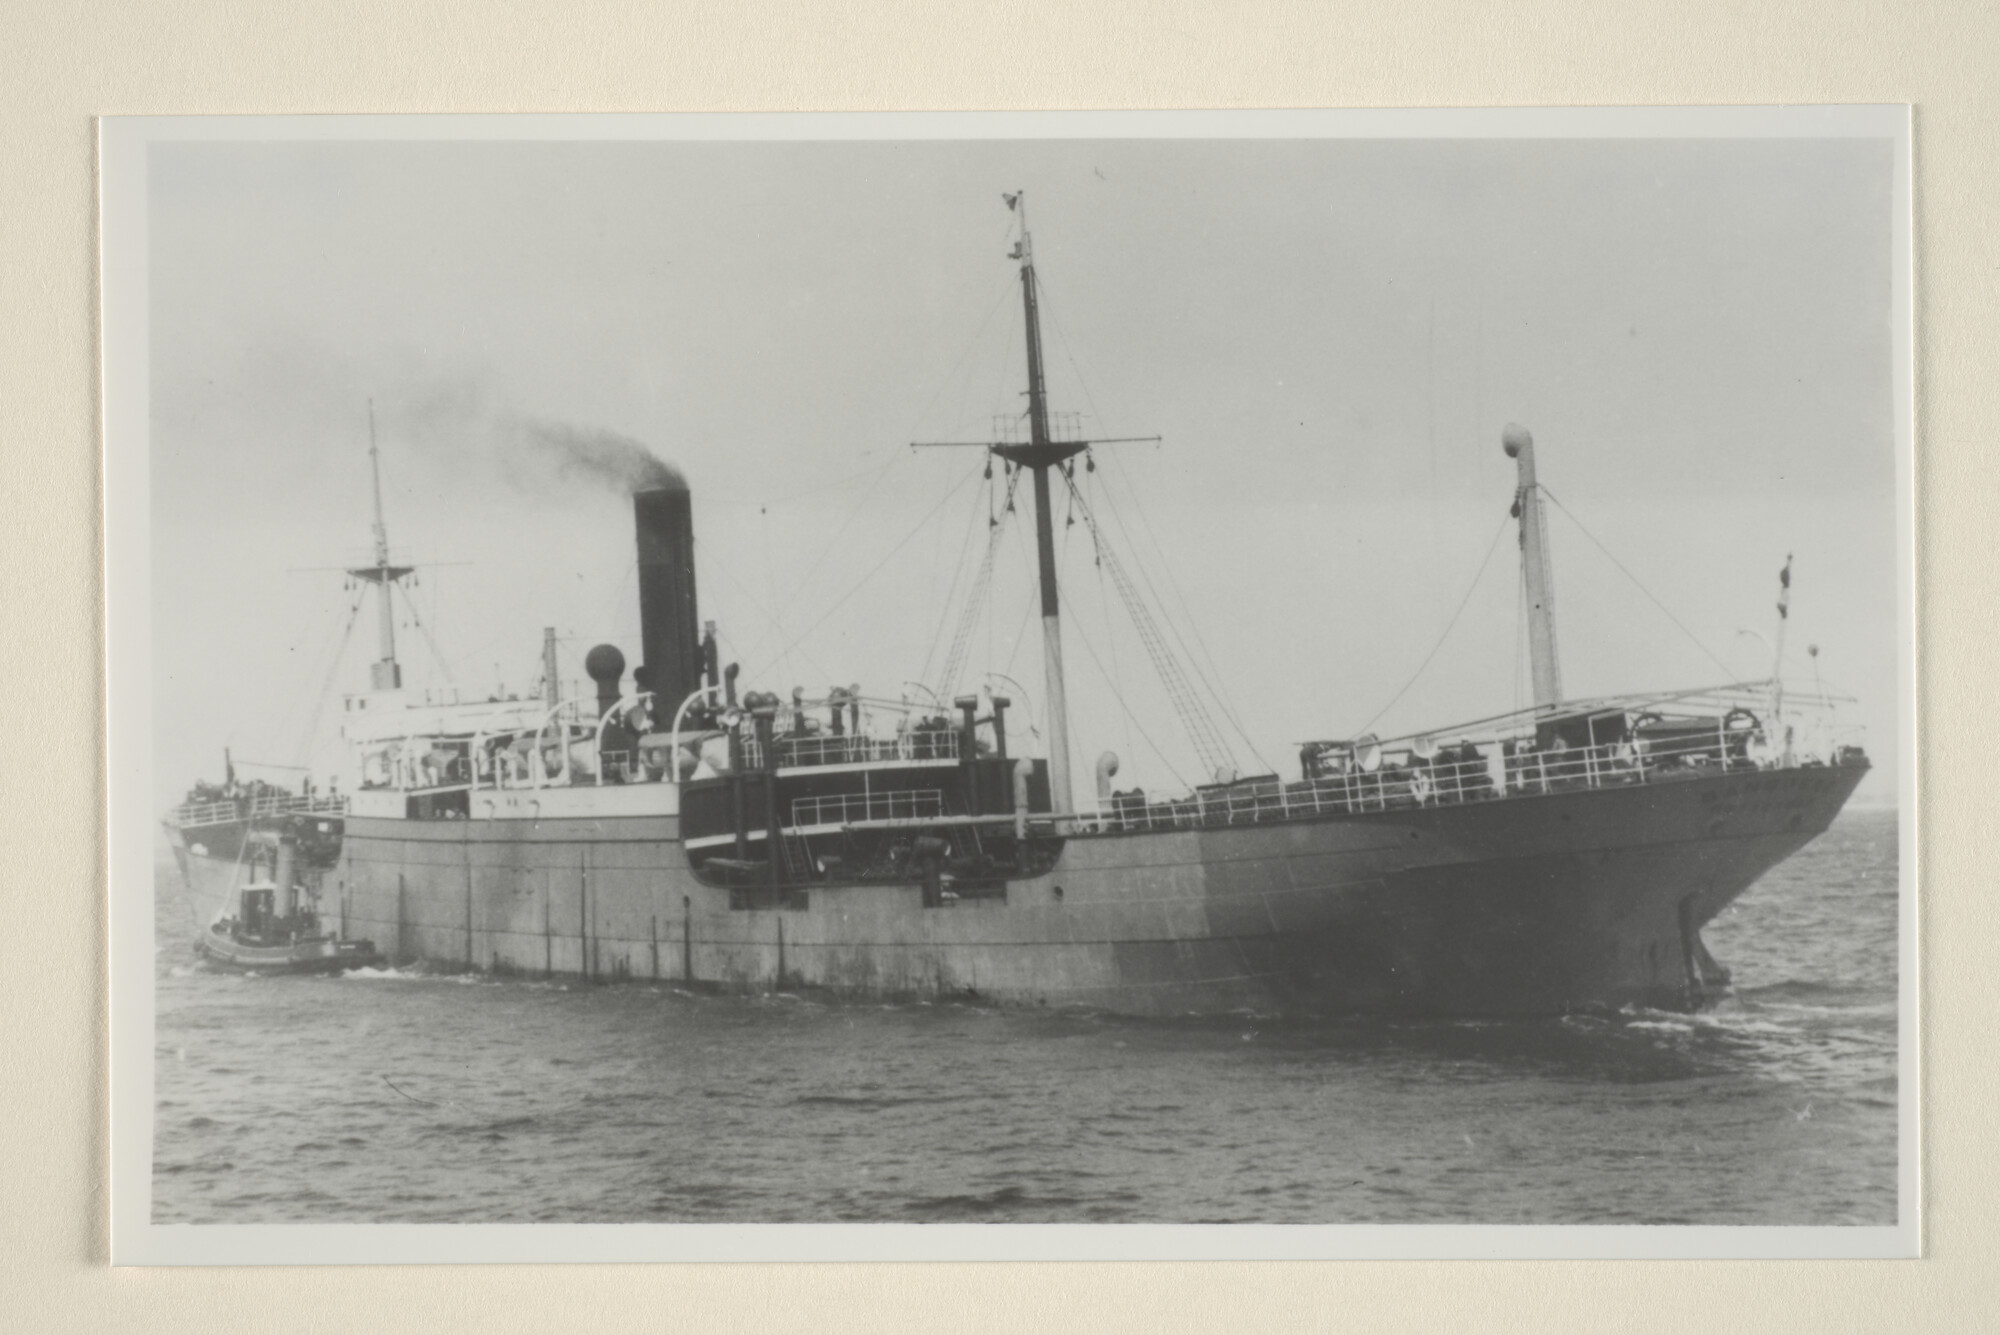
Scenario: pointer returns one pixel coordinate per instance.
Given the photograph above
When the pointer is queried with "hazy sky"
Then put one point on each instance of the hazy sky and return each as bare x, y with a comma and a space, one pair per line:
1329, 335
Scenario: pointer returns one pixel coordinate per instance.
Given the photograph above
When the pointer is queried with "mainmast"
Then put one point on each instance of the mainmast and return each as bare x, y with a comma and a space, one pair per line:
1520, 447
385, 674
1039, 455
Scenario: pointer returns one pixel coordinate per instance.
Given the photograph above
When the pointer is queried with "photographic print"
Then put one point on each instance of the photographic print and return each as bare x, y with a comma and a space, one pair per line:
1274, 676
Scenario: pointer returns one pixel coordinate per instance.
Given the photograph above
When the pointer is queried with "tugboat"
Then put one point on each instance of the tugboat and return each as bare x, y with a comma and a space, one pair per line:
277, 927
211, 831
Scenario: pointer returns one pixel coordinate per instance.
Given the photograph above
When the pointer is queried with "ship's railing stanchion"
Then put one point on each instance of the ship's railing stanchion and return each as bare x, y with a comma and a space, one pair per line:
813, 749
538, 768
604, 721
476, 753
674, 757
844, 808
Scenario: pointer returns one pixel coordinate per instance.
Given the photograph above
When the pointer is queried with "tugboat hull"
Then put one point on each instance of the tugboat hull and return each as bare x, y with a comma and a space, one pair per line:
211, 854
243, 920
321, 955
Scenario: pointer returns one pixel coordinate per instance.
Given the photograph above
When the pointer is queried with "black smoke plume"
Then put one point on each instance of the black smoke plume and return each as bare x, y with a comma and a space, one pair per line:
593, 454
452, 422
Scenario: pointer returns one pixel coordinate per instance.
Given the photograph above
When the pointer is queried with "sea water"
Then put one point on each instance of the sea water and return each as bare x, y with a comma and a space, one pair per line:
400, 1095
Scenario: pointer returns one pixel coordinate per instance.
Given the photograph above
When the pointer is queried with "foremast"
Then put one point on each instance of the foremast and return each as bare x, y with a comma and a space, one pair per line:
385, 674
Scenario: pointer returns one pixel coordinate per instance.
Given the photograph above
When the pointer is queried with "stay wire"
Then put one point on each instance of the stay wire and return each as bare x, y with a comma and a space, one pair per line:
305, 747
1020, 637
945, 383
1130, 718
977, 595
1211, 749
1202, 731
332, 636
939, 639
876, 477
799, 640
848, 480
965, 546
818, 562
1692, 637
437, 654
1187, 615
1491, 547
709, 562
1104, 604
1194, 625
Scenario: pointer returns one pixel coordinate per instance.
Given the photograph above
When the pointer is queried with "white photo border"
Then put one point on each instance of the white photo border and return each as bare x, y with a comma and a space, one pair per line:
138, 1241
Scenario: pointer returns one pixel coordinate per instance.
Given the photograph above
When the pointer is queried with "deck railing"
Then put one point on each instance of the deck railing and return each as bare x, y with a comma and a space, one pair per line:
270, 804
844, 808
1454, 777
827, 749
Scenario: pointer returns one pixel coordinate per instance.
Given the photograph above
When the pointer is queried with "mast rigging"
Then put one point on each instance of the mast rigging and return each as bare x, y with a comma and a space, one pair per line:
1041, 453
385, 674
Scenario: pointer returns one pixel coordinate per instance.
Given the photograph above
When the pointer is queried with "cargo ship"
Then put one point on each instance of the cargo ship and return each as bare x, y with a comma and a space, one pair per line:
677, 824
